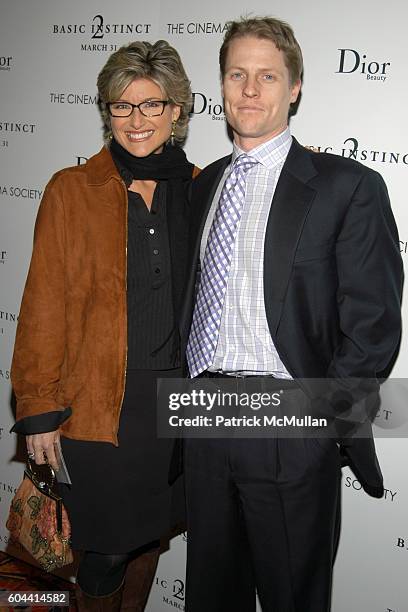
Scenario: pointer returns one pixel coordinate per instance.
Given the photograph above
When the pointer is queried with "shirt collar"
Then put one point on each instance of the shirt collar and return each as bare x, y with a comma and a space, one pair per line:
271, 153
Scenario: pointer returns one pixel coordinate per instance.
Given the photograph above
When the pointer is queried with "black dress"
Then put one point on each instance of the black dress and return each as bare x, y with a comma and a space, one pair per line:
120, 498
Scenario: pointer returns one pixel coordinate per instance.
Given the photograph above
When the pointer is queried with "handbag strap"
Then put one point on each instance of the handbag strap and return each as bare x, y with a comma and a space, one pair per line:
39, 480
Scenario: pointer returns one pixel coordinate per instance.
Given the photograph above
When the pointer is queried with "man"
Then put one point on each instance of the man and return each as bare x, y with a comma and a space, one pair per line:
299, 279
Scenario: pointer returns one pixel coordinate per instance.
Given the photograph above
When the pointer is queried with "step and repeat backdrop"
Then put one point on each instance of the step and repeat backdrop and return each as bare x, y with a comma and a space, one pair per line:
354, 101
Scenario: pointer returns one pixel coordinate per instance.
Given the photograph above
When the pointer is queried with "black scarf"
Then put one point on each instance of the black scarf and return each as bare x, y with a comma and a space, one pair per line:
172, 166
171, 163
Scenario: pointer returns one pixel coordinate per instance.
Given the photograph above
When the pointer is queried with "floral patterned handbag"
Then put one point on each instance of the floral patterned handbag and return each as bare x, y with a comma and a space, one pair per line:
39, 522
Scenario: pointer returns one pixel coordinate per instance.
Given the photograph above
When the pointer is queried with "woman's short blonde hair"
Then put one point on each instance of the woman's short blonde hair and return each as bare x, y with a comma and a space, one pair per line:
158, 62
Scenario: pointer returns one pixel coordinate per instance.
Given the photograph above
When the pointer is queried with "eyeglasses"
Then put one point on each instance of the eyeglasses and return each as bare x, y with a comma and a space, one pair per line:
150, 108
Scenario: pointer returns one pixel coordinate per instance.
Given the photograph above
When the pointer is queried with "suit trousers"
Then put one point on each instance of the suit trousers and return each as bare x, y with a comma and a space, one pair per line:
263, 516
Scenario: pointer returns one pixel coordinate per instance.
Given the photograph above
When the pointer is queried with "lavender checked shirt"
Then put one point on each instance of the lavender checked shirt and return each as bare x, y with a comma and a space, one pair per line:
245, 345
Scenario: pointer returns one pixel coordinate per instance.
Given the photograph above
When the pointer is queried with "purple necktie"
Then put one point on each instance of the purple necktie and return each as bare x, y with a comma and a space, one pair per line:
207, 313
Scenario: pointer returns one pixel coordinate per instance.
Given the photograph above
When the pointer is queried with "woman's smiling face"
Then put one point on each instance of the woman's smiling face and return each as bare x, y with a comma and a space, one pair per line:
138, 134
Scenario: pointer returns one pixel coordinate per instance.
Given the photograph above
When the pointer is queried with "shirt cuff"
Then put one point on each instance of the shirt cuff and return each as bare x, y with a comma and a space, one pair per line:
41, 423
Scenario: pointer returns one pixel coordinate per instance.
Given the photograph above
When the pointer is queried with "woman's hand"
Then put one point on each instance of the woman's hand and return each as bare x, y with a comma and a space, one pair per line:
41, 443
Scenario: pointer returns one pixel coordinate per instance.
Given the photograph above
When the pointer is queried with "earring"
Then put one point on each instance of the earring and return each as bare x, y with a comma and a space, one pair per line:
173, 127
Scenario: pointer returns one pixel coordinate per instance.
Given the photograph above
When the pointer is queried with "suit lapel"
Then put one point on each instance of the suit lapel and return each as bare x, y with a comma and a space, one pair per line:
204, 197
204, 188
290, 207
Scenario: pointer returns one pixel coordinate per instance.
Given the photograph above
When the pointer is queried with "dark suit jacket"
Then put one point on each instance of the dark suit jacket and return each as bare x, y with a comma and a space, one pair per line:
332, 274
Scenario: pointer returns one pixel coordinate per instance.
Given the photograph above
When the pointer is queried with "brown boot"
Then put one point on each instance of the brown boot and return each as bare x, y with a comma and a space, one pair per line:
104, 603
138, 581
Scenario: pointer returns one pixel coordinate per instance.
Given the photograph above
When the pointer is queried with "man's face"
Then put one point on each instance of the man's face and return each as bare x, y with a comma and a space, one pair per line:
257, 91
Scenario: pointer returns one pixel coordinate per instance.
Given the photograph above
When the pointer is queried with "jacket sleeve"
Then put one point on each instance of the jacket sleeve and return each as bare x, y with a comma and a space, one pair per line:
369, 269
41, 423
40, 338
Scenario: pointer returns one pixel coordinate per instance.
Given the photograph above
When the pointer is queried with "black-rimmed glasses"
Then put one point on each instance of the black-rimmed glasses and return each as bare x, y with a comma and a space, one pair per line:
150, 108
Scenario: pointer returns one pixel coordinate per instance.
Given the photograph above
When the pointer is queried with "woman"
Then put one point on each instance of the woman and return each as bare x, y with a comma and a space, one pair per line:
98, 326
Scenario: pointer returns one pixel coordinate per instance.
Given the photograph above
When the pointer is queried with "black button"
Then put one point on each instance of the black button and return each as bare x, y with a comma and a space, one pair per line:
157, 270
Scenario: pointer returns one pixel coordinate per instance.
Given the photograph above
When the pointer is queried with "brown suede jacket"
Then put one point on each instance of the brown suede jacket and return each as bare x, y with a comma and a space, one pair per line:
71, 341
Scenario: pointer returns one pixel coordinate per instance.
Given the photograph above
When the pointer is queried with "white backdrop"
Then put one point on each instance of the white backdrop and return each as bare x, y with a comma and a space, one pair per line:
353, 104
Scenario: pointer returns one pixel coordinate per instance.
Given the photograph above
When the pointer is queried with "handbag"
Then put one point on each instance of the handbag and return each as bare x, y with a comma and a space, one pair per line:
39, 521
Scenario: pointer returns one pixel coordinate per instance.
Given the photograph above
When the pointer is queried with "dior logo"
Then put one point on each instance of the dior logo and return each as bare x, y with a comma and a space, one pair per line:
204, 105
351, 61
5, 62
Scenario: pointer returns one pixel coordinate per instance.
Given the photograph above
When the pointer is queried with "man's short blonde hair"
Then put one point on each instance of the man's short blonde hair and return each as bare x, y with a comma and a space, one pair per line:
269, 28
